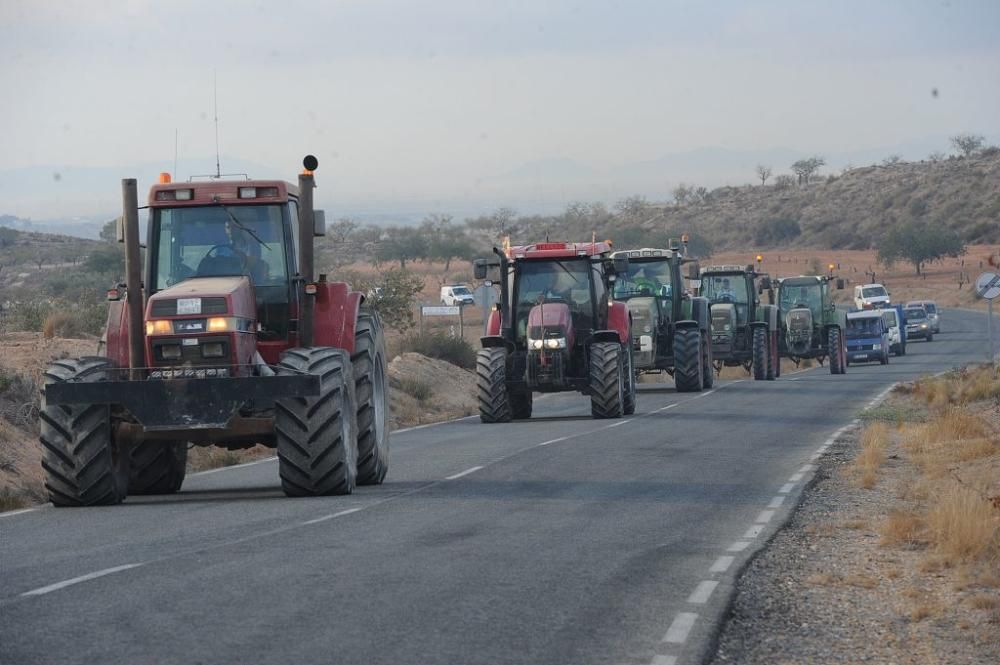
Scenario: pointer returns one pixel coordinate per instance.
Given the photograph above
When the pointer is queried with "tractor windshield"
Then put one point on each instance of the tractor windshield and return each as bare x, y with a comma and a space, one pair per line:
204, 241
794, 296
566, 280
644, 278
728, 289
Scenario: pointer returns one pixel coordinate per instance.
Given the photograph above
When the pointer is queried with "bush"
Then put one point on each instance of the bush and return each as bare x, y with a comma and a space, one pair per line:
451, 349
19, 399
416, 388
777, 231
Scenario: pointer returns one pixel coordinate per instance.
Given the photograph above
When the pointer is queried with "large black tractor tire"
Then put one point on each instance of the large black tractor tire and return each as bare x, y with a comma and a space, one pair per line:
628, 407
520, 405
157, 467
491, 385
607, 380
707, 370
372, 395
317, 436
760, 354
835, 344
774, 355
83, 464
688, 368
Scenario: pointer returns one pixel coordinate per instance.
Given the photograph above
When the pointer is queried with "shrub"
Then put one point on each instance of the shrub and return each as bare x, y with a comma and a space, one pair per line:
416, 388
444, 347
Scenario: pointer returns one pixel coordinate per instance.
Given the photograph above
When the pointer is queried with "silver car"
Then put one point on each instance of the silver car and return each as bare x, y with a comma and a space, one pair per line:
933, 318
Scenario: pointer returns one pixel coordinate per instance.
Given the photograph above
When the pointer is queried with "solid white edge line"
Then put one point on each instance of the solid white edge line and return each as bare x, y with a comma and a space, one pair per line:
333, 515
722, 564
463, 473
702, 592
679, 629
619, 423
764, 517
545, 443
22, 511
233, 466
795, 477
786, 488
753, 531
776, 502
76, 580
738, 546
807, 468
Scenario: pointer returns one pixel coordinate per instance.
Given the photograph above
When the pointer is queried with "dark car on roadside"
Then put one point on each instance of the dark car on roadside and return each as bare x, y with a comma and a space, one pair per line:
933, 315
918, 324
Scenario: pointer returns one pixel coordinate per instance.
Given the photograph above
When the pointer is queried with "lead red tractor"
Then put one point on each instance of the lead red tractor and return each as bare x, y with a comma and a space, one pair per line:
555, 329
224, 338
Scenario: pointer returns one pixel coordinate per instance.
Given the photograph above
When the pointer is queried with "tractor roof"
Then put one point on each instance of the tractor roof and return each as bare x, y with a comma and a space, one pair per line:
230, 192
802, 280
724, 268
646, 253
559, 250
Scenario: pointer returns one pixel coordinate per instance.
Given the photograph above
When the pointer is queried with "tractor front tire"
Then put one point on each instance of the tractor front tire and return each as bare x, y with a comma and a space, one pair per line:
520, 405
707, 373
688, 369
835, 344
317, 436
607, 380
372, 395
630, 390
84, 465
157, 467
774, 355
760, 354
491, 385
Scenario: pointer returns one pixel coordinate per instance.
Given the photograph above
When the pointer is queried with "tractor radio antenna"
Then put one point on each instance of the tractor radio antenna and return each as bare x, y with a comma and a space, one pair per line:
215, 94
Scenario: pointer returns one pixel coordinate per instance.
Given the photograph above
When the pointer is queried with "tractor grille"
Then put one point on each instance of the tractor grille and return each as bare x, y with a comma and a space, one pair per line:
168, 307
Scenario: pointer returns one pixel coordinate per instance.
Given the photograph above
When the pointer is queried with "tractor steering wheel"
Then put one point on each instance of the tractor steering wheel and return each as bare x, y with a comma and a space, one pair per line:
724, 297
211, 255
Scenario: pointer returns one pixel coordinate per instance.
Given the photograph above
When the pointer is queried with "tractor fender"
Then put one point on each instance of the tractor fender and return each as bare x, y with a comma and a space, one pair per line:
494, 342
700, 312
493, 324
606, 336
620, 321
116, 333
336, 315
686, 323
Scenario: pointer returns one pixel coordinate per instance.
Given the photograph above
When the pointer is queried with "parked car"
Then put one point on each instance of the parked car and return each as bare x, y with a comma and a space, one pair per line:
896, 325
456, 294
918, 324
933, 316
867, 338
871, 296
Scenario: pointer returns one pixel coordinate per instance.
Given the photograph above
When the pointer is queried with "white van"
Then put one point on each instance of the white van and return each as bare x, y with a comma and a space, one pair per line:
871, 296
456, 294
897, 331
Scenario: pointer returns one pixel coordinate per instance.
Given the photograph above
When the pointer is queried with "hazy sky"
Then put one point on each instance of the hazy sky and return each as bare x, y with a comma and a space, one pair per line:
431, 99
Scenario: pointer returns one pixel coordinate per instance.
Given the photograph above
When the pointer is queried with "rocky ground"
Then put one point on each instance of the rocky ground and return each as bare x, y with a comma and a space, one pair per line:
840, 585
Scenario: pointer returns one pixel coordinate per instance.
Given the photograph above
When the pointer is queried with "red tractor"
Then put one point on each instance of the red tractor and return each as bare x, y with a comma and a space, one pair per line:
225, 338
555, 329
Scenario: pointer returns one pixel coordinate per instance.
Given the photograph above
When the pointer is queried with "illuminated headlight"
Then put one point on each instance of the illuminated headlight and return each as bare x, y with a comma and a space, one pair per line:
170, 352
534, 344
223, 324
923, 325
161, 327
555, 343
212, 350
727, 327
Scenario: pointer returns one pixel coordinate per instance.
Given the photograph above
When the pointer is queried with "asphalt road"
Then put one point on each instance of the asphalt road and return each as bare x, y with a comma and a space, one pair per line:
557, 540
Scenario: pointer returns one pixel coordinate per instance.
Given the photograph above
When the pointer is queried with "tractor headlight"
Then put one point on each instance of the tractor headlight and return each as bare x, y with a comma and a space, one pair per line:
727, 327
923, 325
647, 329
161, 327
535, 344
555, 343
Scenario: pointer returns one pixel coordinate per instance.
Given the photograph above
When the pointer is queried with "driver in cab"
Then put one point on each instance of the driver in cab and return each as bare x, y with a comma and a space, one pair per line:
235, 256
723, 291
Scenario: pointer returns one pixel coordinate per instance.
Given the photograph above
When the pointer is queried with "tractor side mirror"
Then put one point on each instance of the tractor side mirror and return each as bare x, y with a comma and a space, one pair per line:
764, 285
479, 268
694, 270
319, 222
840, 283
120, 229
619, 265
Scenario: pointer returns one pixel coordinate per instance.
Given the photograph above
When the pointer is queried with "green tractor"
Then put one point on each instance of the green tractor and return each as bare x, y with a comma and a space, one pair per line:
670, 328
811, 324
744, 330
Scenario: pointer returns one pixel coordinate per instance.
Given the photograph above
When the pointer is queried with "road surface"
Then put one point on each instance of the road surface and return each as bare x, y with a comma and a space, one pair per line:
557, 540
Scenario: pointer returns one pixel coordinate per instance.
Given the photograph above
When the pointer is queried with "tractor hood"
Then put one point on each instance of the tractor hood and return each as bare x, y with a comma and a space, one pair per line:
552, 320
723, 319
201, 296
644, 315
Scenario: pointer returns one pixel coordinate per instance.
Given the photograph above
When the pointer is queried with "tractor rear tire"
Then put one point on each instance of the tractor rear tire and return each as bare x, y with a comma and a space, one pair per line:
707, 368
157, 467
369, 366
317, 436
83, 464
491, 385
688, 367
760, 354
630, 390
607, 380
835, 345
520, 405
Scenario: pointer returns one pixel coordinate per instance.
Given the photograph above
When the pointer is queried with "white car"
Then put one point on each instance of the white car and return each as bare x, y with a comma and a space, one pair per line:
871, 296
457, 294
897, 344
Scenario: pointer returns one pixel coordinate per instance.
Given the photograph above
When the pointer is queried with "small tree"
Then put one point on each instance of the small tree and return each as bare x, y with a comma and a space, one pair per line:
784, 181
393, 295
918, 242
109, 232
892, 160
683, 194
763, 172
968, 144
806, 168
936, 156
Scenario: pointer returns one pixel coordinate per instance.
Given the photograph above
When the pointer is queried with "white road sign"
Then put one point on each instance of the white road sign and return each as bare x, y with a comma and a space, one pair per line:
988, 285
429, 310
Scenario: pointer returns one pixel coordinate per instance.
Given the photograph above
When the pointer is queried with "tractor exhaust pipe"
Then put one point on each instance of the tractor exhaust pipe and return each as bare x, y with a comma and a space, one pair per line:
306, 233
133, 277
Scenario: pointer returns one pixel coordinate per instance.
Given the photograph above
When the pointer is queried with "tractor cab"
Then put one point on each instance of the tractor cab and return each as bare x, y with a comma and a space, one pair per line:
729, 285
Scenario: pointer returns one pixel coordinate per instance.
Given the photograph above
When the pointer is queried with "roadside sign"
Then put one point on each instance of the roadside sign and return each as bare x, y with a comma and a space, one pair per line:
988, 285
432, 310
486, 296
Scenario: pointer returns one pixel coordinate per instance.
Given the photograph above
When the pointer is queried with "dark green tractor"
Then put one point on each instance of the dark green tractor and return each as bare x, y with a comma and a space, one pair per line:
670, 328
811, 325
744, 330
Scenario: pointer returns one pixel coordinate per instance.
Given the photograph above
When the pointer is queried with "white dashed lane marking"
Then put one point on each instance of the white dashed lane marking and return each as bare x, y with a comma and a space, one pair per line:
464, 473
702, 592
663, 660
679, 629
332, 516
738, 546
786, 488
764, 517
753, 531
776, 502
721, 564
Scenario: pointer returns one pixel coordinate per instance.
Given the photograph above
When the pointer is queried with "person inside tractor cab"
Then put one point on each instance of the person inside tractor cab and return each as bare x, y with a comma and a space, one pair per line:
723, 291
566, 282
240, 255
807, 296
647, 278
730, 290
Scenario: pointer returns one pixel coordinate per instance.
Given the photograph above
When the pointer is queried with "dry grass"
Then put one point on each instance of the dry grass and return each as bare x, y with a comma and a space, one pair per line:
874, 440
953, 436
901, 528
984, 601
822, 579
863, 581
925, 611
963, 526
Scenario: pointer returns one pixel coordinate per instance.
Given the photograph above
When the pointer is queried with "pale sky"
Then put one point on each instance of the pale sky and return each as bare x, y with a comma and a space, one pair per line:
433, 100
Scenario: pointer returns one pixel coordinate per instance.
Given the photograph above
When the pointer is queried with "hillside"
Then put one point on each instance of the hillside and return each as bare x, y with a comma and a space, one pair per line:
846, 211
